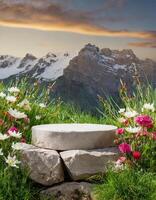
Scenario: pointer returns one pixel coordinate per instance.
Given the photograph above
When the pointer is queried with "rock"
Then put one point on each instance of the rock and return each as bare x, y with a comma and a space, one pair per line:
73, 136
82, 164
68, 191
106, 52
45, 165
24, 146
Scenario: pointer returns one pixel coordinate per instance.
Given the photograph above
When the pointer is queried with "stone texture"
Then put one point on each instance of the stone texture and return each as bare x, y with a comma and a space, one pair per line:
23, 146
68, 191
45, 165
73, 136
82, 164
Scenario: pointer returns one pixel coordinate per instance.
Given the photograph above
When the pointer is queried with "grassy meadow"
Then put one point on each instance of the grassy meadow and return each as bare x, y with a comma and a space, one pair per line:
132, 177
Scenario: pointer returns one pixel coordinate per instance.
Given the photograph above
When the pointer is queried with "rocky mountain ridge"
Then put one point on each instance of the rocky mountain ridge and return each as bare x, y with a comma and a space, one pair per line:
82, 78
98, 72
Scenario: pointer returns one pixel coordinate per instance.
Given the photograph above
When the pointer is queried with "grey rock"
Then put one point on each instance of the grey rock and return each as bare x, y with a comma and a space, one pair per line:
45, 165
68, 191
82, 164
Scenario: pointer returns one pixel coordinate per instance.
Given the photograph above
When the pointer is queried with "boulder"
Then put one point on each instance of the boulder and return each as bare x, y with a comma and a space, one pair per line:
82, 164
68, 191
45, 165
73, 136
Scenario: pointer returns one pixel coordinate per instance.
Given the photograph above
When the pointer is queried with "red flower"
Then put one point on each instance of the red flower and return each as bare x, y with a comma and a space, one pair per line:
1, 122
126, 123
125, 148
23, 140
120, 131
144, 120
136, 155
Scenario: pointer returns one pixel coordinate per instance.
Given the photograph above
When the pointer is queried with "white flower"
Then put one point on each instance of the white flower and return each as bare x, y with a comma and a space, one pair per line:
122, 120
148, 106
3, 136
16, 114
15, 134
121, 110
12, 161
42, 105
2, 95
38, 117
25, 104
1, 152
13, 90
133, 129
130, 113
118, 166
16, 146
11, 99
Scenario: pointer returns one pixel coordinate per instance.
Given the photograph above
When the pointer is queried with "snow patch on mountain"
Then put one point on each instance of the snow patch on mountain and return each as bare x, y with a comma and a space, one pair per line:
11, 69
117, 66
56, 69
48, 67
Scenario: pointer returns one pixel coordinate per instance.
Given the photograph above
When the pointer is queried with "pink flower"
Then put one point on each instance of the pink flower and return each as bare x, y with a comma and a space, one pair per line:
144, 120
12, 129
144, 133
154, 136
27, 120
125, 148
120, 131
121, 160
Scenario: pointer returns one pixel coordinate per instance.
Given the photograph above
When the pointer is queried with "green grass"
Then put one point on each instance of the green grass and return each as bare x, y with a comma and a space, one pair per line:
15, 185
127, 185
135, 100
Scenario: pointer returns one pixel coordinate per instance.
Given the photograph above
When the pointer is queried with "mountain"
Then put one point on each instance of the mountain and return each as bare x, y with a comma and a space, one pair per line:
82, 78
98, 72
46, 68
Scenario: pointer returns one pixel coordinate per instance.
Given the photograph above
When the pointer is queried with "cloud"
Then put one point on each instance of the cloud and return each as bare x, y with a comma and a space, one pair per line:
55, 16
109, 4
147, 44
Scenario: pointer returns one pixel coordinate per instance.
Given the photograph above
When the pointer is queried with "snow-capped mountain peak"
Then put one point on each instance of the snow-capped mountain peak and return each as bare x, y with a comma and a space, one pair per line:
48, 67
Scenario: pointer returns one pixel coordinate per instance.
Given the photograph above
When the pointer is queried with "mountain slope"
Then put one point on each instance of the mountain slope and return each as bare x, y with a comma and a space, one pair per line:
98, 72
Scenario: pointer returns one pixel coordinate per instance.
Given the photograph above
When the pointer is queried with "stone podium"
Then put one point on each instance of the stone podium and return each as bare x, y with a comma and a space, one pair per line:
73, 136
63, 153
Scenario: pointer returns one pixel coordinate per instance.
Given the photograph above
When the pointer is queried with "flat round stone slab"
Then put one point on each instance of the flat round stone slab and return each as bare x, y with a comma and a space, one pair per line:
73, 136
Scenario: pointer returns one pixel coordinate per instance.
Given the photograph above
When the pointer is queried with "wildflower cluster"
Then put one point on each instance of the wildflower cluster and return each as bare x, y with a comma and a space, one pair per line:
17, 115
136, 138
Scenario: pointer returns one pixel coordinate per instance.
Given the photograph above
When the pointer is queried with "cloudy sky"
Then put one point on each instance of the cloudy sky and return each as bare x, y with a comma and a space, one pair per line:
40, 26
